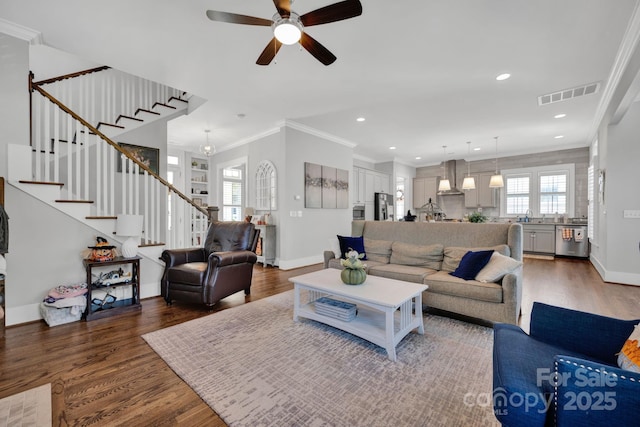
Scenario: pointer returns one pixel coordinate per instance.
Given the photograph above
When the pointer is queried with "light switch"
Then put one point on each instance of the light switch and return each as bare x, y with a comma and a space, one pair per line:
628, 213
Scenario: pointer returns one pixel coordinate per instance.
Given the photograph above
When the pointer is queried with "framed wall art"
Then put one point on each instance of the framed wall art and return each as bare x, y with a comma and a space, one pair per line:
150, 157
325, 187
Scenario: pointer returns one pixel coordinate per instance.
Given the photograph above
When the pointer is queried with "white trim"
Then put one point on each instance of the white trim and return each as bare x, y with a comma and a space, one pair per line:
615, 276
21, 32
22, 314
311, 131
300, 262
625, 54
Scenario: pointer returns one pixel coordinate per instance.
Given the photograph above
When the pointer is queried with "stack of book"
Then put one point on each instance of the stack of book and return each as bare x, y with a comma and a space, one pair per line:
337, 309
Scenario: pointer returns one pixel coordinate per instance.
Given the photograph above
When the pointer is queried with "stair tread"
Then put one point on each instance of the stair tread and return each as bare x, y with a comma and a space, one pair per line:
109, 124
101, 217
144, 245
178, 99
144, 110
73, 201
41, 182
122, 116
165, 105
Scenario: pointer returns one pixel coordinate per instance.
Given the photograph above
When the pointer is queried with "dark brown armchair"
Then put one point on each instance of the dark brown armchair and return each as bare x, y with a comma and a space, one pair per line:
223, 266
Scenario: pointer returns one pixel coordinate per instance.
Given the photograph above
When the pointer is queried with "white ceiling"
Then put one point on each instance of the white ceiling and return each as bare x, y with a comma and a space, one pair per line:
422, 72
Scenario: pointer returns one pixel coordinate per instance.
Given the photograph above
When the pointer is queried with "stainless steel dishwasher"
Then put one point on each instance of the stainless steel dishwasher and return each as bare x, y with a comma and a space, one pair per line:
571, 240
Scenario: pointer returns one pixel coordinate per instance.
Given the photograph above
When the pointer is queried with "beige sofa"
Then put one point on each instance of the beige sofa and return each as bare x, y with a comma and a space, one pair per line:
427, 252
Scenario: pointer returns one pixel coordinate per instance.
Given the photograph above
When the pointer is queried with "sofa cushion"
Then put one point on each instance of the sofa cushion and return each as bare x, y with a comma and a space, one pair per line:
352, 243
191, 273
629, 356
442, 282
378, 250
471, 264
498, 266
408, 273
453, 254
429, 256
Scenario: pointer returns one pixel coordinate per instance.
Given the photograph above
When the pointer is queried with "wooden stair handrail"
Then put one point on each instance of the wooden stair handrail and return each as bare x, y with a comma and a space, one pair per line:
70, 75
117, 147
2, 191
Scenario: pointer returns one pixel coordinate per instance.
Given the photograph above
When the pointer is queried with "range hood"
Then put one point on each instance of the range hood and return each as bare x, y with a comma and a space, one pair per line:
450, 171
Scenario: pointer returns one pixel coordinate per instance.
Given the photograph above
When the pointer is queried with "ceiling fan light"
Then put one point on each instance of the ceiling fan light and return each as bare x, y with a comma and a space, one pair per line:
287, 32
469, 183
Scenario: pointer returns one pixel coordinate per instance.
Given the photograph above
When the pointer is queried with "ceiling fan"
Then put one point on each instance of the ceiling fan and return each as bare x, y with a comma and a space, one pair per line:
288, 26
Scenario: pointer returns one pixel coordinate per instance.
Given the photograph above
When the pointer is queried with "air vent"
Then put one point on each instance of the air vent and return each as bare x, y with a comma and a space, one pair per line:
567, 94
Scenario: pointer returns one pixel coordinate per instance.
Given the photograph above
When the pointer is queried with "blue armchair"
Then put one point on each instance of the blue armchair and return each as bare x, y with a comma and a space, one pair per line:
564, 372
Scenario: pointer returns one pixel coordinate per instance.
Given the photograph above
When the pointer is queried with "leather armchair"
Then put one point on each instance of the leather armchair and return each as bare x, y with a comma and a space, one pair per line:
223, 266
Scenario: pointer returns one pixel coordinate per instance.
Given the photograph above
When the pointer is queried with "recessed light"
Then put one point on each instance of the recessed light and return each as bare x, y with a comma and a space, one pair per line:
477, 149
559, 136
418, 158
360, 119
503, 76
559, 116
392, 148
241, 115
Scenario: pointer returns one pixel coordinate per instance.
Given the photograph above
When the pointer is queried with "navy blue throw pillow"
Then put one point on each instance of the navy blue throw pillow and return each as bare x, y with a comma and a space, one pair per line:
471, 264
348, 243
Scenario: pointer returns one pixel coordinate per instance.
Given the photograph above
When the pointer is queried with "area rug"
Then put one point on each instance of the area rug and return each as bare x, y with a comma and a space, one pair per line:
29, 408
255, 366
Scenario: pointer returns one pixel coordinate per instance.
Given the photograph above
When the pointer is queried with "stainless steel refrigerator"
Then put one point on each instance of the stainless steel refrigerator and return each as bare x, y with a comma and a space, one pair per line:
383, 207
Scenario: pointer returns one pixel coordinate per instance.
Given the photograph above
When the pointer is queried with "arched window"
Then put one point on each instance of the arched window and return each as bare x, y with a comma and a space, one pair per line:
266, 184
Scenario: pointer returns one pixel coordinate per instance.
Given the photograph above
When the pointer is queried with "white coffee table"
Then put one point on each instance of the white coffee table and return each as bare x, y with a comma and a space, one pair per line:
387, 309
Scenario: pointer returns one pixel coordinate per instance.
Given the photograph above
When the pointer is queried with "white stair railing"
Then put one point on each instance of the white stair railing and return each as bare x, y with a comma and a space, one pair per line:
68, 149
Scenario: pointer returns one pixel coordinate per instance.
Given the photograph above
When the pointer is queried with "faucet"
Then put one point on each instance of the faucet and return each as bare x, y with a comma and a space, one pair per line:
526, 215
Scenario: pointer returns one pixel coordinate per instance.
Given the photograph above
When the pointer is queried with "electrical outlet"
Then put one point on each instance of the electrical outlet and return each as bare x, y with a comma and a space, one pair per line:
628, 213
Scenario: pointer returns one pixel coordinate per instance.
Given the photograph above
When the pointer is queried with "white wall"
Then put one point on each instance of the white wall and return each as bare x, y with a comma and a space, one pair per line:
14, 108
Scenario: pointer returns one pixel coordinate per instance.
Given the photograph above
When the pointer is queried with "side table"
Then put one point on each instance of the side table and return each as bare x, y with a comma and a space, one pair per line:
118, 306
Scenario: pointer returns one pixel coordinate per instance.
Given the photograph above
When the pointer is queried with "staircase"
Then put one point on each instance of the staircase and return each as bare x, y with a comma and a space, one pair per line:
77, 167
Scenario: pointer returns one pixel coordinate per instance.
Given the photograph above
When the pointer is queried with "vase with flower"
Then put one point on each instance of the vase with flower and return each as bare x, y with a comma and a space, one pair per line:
354, 270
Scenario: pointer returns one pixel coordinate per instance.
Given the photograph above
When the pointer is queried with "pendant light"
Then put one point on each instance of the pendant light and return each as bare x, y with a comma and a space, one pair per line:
444, 183
469, 182
208, 149
496, 180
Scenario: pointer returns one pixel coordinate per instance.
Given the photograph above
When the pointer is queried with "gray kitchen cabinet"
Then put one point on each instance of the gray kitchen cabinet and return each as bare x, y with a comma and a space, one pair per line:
539, 238
483, 195
423, 190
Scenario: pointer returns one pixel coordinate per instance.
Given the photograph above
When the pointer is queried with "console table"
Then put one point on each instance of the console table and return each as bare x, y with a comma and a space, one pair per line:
118, 306
267, 244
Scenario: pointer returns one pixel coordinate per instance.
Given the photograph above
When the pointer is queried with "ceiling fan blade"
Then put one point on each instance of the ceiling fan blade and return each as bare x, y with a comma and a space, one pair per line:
269, 52
332, 13
234, 18
320, 52
283, 6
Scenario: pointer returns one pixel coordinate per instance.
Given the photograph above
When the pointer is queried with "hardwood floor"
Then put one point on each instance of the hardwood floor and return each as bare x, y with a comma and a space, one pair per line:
103, 373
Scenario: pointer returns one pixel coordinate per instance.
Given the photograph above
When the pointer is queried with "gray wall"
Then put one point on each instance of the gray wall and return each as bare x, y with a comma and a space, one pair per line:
621, 236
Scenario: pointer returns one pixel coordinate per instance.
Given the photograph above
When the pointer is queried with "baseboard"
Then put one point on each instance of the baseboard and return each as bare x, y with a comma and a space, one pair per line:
22, 314
615, 276
300, 262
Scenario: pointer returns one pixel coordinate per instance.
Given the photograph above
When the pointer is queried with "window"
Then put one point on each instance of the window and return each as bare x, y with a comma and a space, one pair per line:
538, 191
232, 184
553, 194
266, 184
517, 190
173, 160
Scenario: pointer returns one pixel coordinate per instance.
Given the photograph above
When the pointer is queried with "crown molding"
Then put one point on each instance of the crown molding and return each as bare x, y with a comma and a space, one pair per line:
21, 32
624, 56
311, 131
